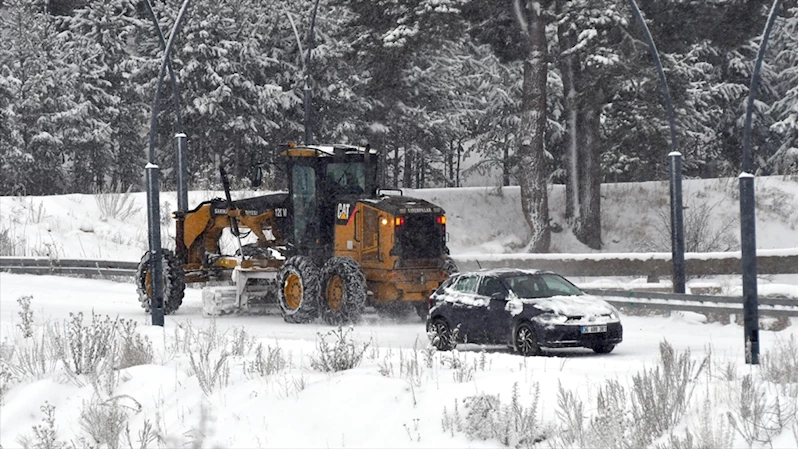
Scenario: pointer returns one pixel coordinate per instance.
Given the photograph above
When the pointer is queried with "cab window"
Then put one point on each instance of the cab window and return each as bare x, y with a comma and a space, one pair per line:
346, 177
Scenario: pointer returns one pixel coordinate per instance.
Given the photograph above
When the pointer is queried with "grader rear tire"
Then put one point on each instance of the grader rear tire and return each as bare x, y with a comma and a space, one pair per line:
343, 291
173, 277
299, 289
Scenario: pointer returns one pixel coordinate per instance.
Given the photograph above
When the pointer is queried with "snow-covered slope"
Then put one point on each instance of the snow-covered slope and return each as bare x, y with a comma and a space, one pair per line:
480, 219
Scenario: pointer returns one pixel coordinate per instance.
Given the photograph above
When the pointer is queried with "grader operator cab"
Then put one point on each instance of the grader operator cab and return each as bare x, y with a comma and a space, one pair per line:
330, 246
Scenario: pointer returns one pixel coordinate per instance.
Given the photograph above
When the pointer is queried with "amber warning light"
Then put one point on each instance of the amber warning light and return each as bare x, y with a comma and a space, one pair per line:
399, 221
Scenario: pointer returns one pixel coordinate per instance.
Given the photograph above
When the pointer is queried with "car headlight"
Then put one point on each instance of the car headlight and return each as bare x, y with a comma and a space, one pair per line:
614, 314
553, 318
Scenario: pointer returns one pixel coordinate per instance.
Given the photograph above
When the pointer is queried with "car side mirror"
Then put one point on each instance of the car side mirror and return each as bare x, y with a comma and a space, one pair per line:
499, 296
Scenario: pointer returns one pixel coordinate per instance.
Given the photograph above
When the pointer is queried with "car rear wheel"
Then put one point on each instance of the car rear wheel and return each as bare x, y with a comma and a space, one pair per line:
603, 348
525, 340
442, 335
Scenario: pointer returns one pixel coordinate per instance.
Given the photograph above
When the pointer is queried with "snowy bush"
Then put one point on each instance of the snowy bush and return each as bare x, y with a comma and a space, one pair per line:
705, 227
613, 427
26, 316
6, 379
571, 414
241, 343
781, 365
661, 395
104, 422
712, 432
487, 418
83, 347
36, 356
212, 371
44, 434
266, 363
8, 247
118, 205
755, 416
134, 349
462, 370
343, 354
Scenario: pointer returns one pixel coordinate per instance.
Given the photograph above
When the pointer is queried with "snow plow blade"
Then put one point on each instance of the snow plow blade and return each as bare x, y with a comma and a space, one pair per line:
253, 293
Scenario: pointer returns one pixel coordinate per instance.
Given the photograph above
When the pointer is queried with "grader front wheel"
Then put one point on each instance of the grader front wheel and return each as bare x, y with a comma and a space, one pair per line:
173, 277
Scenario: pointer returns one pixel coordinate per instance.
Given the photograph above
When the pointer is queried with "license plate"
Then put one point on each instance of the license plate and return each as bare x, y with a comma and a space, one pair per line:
594, 329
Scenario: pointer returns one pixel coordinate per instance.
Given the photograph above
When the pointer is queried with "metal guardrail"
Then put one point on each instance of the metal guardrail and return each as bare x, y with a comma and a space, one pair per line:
622, 298
68, 267
787, 307
781, 261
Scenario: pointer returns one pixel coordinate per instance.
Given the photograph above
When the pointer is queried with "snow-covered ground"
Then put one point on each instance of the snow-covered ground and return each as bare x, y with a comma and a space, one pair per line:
397, 397
401, 394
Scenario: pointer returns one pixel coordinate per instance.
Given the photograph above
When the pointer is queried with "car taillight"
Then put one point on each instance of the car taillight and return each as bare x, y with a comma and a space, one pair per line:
441, 219
399, 221
430, 302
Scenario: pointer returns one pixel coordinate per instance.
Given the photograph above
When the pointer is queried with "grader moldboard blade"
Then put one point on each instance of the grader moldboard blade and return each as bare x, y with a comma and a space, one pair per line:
254, 292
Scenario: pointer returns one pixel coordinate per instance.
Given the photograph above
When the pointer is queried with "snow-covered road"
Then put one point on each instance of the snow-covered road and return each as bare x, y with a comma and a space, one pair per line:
56, 297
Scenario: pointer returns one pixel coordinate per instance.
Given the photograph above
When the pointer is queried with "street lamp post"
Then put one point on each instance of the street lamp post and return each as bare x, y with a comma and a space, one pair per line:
152, 174
180, 144
675, 167
307, 89
746, 186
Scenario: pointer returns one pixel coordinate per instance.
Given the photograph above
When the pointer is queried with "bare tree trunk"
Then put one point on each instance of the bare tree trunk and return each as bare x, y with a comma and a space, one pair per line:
396, 166
458, 166
450, 164
420, 170
505, 162
407, 172
587, 226
583, 103
566, 41
532, 127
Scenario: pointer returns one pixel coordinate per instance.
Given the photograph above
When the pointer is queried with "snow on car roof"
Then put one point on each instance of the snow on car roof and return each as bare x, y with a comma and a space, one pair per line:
503, 271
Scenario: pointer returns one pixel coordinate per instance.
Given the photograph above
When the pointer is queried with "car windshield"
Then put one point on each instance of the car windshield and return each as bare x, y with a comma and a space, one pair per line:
543, 285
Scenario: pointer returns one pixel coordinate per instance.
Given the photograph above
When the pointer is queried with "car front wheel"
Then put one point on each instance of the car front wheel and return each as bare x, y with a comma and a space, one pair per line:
526, 342
442, 335
603, 348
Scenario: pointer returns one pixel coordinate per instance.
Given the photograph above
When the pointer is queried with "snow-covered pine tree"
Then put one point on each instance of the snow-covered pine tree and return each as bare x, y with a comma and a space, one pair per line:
43, 106
108, 142
393, 43
235, 84
782, 111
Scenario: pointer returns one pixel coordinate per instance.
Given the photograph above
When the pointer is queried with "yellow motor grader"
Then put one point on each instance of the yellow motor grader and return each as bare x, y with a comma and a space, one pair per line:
333, 244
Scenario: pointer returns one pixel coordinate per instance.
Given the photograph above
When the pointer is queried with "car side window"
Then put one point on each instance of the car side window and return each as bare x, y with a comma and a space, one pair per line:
466, 284
491, 286
529, 287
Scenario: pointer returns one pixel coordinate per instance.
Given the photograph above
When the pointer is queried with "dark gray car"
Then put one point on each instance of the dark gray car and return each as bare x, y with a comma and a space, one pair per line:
524, 309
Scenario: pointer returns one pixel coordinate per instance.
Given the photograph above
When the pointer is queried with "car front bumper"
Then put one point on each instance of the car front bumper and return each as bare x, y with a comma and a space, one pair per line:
570, 336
